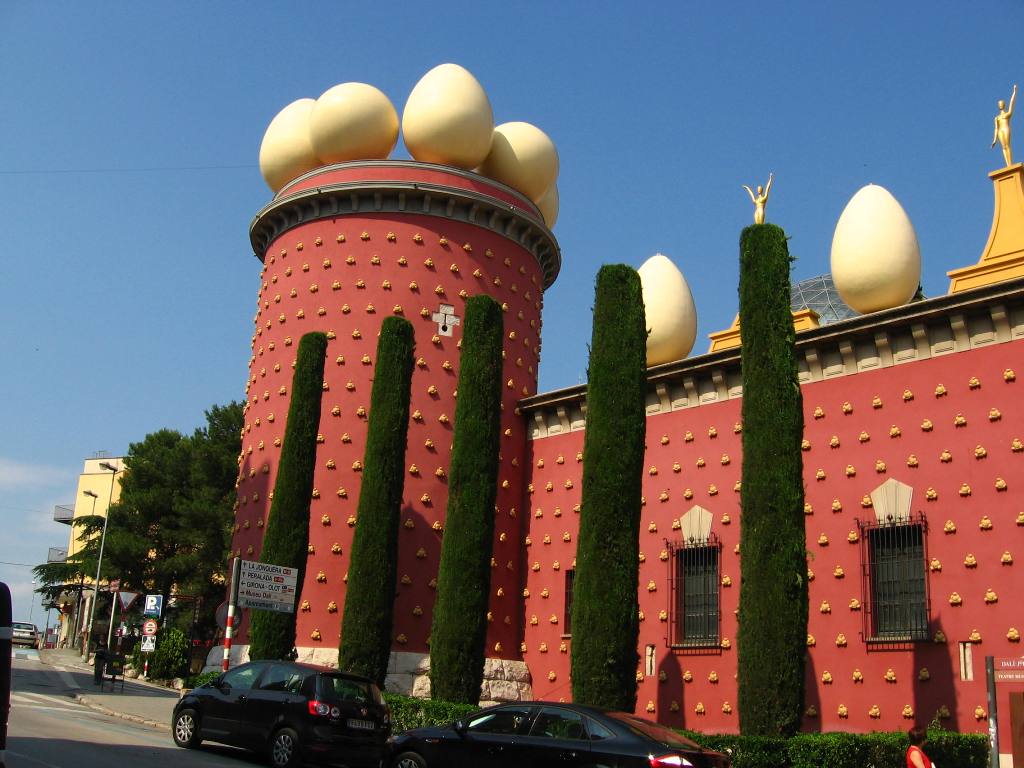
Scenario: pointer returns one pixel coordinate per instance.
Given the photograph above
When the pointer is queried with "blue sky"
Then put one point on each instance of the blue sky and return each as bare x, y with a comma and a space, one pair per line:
128, 173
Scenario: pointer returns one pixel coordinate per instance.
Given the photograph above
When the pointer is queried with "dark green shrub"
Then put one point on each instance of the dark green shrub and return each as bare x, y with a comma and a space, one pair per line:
605, 610
957, 750
459, 630
846, 750
135, 657
370, 598
748, 751
272, 634
813, 750
197, 680
772, 637
408, 712
170, 659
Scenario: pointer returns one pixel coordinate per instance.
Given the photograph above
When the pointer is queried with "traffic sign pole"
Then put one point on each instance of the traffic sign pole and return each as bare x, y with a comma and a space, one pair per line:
229, 629
993, 717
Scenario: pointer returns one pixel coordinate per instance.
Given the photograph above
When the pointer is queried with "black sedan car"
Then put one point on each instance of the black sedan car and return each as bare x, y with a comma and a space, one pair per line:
294, 713
540, 734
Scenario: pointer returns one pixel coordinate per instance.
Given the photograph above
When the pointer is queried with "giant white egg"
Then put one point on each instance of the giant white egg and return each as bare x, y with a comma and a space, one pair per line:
876, 260
448, 118
286, 151
669, 309
353, 121
548, 205
523, 157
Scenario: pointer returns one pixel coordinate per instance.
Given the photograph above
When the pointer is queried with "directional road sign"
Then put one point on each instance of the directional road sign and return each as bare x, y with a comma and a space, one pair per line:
267, 587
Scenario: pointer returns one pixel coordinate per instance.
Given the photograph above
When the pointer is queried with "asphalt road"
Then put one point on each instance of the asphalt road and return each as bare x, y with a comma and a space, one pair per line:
48, 729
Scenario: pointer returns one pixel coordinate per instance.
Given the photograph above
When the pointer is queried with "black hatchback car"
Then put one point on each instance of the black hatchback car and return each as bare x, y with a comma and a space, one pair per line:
540, 733
292, 712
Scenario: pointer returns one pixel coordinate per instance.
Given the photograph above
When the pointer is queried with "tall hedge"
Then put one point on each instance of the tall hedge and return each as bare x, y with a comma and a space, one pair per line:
772, 638
370, 598
459, 630
605, 623
272, 634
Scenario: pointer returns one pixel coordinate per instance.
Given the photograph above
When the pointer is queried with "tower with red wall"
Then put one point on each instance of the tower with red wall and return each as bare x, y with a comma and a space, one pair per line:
341, 248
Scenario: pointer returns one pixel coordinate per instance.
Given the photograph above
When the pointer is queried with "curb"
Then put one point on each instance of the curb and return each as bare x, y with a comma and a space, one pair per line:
85, 700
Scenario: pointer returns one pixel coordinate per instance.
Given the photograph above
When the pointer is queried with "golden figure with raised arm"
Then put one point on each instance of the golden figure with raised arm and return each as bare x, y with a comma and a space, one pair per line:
1002, 132
760, 200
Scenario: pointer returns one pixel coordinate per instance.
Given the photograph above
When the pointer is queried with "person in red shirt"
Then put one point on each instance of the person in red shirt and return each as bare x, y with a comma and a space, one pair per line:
916, 758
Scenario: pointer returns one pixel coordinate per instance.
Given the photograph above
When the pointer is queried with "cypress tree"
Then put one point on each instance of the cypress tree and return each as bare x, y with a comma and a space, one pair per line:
773, 597
370, 598
605, 621
272, 634
463, 585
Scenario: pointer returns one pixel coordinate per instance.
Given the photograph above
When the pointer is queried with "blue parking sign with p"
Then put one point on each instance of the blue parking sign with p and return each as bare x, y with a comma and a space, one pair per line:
154, 606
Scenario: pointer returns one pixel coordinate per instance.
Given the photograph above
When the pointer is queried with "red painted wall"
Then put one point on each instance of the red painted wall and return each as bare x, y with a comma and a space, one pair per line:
343, 276
704, 444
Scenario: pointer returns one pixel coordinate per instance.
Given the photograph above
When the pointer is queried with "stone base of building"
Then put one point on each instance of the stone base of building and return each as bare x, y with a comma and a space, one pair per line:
409, 673
504, 680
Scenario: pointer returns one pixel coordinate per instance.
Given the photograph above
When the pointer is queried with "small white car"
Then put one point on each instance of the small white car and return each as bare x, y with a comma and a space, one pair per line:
25, 634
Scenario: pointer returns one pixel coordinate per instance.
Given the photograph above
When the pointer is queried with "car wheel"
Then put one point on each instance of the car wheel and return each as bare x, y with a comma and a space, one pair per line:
284, 748
186, 729
409, 760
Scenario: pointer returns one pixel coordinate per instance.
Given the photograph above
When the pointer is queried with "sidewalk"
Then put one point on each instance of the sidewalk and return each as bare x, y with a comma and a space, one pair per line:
139, 702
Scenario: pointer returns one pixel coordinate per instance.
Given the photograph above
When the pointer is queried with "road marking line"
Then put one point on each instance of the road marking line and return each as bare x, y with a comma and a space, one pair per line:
66, 678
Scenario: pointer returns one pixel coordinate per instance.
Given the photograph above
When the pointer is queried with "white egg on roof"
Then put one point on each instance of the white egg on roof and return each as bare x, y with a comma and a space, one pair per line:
548, 205
669, 310
523, 157
286, 151
353, 121
876, 259
448, 118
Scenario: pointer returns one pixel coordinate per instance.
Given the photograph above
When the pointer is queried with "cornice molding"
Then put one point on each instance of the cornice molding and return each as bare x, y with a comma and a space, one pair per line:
917, 331
408, 197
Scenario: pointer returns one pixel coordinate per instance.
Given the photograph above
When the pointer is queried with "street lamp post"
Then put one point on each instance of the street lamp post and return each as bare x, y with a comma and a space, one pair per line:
99, 561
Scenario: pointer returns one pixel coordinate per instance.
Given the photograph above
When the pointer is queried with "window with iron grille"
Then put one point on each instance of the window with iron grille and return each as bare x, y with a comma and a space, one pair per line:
695, 604
570, 576
894, 575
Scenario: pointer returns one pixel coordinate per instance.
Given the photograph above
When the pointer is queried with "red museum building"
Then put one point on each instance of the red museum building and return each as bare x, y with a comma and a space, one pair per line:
912, 462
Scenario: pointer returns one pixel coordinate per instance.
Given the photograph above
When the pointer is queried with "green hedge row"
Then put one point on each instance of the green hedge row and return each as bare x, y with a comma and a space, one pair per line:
846, 750
408, 712
805, 750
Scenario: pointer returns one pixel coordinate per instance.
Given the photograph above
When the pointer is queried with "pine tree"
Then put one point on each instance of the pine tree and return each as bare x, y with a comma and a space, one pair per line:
460, 614
772, 642
605, 621
370, 597
272, 634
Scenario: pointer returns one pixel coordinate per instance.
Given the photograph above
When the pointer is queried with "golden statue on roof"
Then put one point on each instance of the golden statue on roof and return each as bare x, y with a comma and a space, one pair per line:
1002, 131
760, 200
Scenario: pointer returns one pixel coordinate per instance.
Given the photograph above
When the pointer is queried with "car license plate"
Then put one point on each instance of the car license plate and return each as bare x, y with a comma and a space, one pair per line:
364, 725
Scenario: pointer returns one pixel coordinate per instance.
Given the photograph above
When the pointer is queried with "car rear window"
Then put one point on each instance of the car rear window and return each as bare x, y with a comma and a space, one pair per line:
650, 730
23, 625
340, 688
